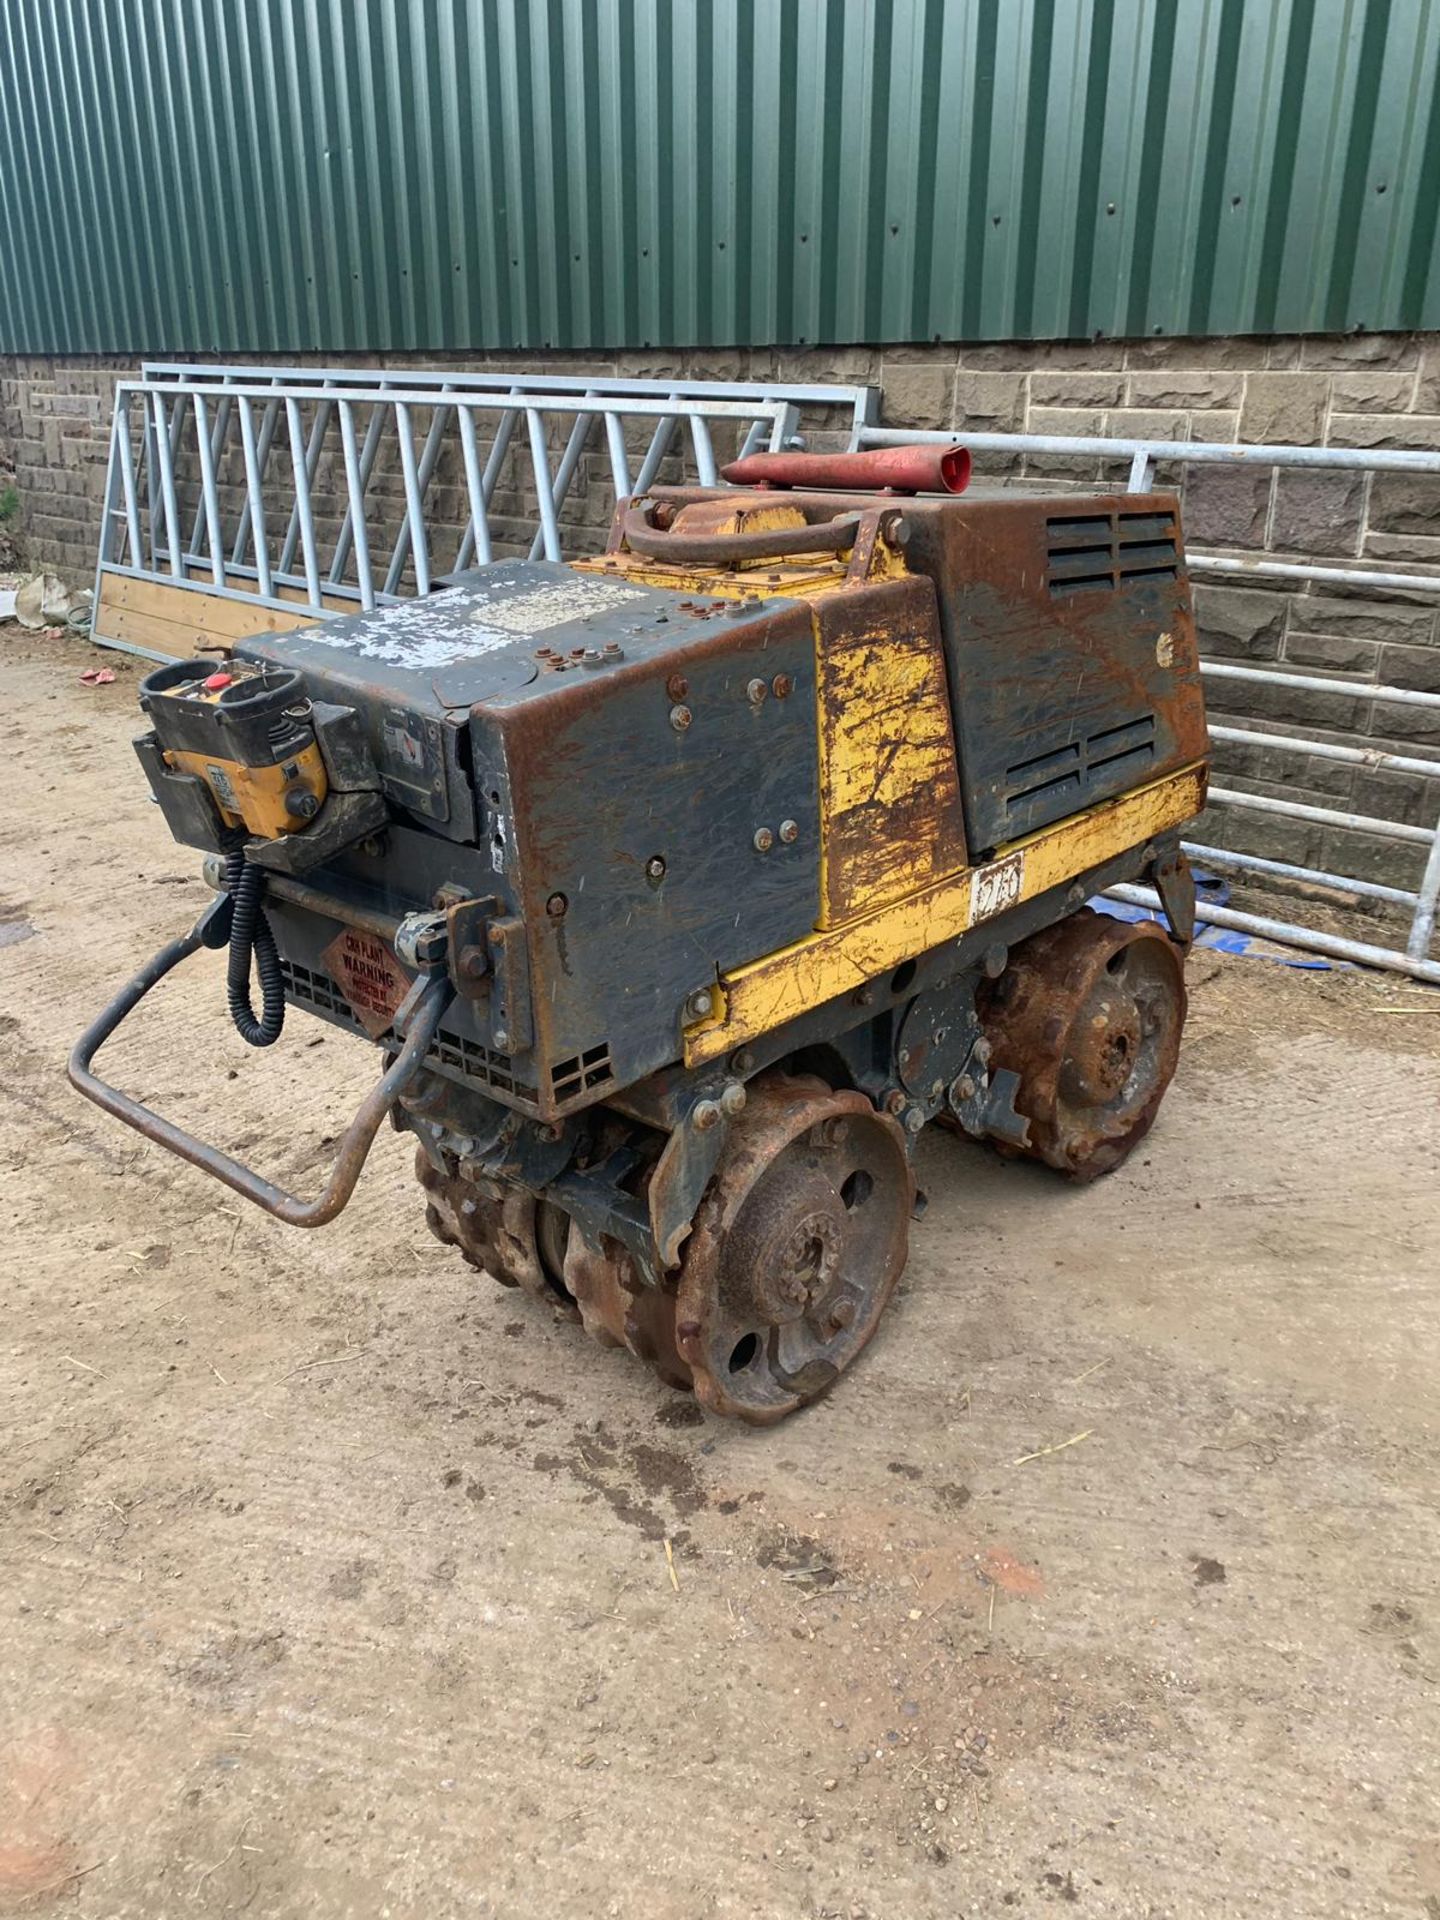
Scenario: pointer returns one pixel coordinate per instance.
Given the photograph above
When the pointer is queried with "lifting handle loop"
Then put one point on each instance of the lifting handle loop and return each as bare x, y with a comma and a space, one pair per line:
642, 536
359, 1136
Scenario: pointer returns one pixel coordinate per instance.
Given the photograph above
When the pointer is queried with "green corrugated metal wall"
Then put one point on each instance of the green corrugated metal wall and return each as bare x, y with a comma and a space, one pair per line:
265, 176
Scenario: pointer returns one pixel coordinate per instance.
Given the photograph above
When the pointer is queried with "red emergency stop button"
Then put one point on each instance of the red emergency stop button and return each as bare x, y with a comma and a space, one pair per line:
218, 682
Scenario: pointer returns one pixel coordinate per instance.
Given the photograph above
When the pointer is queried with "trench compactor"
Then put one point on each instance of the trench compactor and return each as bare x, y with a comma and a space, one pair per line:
680, 887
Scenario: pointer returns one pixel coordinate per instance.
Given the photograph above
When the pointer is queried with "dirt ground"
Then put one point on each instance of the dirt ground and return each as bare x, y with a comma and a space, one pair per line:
335, 1577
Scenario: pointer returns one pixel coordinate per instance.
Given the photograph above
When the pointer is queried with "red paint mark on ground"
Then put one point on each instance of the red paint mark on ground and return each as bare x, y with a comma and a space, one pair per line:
1012, 1576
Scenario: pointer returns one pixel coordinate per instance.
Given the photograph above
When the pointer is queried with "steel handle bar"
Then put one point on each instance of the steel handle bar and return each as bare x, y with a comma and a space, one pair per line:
359, 1136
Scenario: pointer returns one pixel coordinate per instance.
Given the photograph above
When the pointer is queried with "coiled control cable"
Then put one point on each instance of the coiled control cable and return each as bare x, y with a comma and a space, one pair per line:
252, 941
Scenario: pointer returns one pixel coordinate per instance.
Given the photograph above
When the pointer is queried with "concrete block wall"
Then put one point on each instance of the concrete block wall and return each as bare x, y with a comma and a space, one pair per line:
1376, 390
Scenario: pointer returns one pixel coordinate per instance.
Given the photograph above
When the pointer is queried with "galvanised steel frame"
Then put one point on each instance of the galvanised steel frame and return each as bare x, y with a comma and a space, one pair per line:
1142, 458
283, 421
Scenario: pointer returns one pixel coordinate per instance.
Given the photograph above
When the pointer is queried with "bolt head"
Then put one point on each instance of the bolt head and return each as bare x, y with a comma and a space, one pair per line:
742, 1060
782, 684
680, 718
677, 686
764, 839
896, 1102
755, 693
699, 1004
965, 1087
502, 1040
914, 1120
473, 963
733, 1098
705, 1115
655, 867
789, 832
557, 906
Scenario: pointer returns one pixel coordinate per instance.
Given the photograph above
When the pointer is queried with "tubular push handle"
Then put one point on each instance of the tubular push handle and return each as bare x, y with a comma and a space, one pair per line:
359, 1136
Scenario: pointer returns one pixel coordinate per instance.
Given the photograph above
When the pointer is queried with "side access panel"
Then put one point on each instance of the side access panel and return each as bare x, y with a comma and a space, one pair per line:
1070, 639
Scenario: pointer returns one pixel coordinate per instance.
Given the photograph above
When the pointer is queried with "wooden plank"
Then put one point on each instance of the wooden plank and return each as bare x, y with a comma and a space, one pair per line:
177, 622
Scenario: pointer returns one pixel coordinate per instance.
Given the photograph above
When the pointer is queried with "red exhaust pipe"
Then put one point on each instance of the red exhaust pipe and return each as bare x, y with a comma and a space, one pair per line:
924, 469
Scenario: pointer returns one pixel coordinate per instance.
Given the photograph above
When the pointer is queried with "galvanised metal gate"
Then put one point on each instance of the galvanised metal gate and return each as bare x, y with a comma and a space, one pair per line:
265, 484
1142, 457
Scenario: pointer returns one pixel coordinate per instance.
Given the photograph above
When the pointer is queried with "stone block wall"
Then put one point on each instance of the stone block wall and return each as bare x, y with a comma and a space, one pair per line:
1364, 391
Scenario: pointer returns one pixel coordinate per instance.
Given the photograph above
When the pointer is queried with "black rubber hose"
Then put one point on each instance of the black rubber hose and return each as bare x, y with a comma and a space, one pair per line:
251, 939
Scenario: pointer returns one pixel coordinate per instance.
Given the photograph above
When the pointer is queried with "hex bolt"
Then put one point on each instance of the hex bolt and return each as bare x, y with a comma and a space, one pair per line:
781, 685
592, 657
764, 839
680, 718
557, 906
613, 650
704, 1115
755, 693
699, 1004
914, 1120
677, 686
789, 832
733, 1098
742, 1060
841, 1314
473, 963
655, 867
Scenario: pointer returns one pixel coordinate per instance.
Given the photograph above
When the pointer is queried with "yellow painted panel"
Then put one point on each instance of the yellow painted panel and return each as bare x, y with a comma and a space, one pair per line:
891, 819
783, 985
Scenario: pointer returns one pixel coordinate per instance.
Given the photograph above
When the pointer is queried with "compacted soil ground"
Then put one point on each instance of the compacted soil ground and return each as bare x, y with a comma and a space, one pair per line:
335, 1578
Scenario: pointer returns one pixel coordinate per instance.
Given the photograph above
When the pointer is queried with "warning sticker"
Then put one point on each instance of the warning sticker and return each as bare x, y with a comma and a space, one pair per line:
997, 886
369, 976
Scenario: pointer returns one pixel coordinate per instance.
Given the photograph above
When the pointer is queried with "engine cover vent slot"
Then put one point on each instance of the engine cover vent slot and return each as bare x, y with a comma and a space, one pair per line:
306, 987
1096, 551
581, 1072
1071, 774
